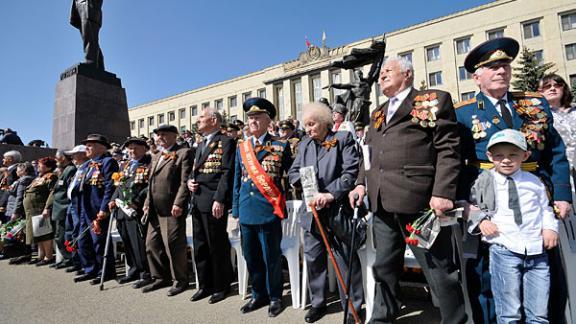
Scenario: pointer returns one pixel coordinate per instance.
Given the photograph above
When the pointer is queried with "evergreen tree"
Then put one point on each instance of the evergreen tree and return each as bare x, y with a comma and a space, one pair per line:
529, 71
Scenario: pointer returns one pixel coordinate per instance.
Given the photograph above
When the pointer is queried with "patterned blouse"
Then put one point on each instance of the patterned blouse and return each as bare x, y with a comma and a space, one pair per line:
565, 124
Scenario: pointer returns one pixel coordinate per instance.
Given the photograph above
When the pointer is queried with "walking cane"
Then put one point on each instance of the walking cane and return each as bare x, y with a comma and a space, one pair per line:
106, 246
350, 257
334, 263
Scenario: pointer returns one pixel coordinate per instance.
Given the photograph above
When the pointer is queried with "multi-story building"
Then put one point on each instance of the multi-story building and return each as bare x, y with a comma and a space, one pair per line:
437, 49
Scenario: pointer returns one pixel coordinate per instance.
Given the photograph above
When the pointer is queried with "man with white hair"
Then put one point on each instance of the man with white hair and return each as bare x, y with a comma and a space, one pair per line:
414, 167
7, 177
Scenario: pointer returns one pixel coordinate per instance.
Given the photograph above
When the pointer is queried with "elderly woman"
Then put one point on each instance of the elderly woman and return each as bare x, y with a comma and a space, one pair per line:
559, 96
15, 206
35, 198
557, 92
335, 160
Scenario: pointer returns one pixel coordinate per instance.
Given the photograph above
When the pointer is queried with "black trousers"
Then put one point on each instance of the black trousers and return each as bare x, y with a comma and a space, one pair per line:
134, 239
211, 251
437, 264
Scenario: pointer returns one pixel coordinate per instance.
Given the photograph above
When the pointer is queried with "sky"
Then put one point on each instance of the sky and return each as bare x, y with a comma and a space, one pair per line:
161, 48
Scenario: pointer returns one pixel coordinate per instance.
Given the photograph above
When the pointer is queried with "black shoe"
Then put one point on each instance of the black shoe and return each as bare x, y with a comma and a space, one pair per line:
275, 308
127, 279
21, 259
45, 262
63, 264
34, 261
79, 272
314, 314
54, 265
253, 305
84, 277
73, 268
218, 296
177, 289
96, 281
200, 294
157, 284
141, 283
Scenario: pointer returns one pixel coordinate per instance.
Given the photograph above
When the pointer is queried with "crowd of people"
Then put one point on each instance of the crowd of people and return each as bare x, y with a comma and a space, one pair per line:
504, 156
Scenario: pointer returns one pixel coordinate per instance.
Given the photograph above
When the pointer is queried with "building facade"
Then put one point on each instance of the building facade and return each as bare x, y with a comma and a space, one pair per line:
437, 49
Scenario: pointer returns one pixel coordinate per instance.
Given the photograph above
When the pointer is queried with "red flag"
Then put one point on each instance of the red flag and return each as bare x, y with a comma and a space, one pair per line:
308, 44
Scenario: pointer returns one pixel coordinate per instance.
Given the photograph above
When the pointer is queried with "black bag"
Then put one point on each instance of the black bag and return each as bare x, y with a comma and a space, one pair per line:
340, 222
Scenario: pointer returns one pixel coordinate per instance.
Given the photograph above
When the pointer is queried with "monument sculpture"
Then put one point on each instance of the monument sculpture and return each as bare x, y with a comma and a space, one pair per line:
357, 97
89, 99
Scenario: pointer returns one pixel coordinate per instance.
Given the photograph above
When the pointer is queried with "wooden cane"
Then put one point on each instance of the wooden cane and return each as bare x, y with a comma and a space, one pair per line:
334, 263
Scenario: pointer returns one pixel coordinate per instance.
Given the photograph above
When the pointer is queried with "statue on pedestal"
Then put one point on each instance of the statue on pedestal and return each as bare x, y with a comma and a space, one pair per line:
357, 97
86, 16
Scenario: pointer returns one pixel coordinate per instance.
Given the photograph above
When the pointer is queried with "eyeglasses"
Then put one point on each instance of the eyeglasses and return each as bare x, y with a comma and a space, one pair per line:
550, 85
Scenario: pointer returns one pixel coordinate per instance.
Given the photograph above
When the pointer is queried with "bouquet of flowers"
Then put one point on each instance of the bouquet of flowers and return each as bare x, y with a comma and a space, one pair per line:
72, 246
120, 181
11, 231
424, 230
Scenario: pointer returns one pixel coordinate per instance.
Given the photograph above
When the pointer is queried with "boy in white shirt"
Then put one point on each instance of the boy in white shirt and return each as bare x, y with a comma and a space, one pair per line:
519, 229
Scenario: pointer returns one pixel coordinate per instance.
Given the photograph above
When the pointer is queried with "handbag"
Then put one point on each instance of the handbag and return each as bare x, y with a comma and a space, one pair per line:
41, 226
340, 222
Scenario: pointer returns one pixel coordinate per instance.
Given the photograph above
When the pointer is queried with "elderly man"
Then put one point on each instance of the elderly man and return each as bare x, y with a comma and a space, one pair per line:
259, 203
166, 207
495, 108
132, 189
57, 206
96, 189
7, 177
211, 186
414, 166
81, 162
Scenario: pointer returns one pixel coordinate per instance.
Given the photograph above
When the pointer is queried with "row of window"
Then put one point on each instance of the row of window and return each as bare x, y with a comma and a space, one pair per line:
530, 30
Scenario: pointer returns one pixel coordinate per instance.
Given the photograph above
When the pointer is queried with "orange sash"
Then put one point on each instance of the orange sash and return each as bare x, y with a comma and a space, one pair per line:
263, 181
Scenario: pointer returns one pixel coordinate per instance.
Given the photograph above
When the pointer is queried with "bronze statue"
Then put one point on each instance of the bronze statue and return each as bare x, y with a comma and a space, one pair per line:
86, 16
357, 98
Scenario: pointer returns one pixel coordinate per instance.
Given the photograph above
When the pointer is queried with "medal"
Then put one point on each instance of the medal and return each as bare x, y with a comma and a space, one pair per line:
495, 120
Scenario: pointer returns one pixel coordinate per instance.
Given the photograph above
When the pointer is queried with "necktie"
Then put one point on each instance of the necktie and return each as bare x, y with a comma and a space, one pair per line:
514, 201
203, 148
391, 109
505, 112
257, 146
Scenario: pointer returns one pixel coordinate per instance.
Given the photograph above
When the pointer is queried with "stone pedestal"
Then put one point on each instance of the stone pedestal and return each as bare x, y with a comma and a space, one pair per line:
89, 101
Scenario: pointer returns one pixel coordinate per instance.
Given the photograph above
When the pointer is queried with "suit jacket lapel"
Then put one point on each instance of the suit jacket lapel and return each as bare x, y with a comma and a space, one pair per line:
517, 121
211, 147
260, 155
404, 109
164, 161
490, 112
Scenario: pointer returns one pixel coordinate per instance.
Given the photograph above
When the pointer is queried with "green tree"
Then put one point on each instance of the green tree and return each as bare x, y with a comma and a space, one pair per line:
529, 71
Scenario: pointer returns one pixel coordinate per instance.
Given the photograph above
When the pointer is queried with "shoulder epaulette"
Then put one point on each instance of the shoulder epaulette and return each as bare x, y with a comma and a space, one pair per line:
522, 94
293, 139
464, 103
240, 141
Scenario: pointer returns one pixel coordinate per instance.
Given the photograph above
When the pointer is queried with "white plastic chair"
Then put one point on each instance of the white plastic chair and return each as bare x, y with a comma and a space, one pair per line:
190, 242
290, 246
235, 242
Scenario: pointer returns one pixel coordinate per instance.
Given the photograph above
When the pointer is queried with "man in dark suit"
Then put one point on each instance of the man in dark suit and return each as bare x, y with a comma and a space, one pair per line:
57, 206
132, 188
414, 165
211, 186
166, 206
96, 189
260, 203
